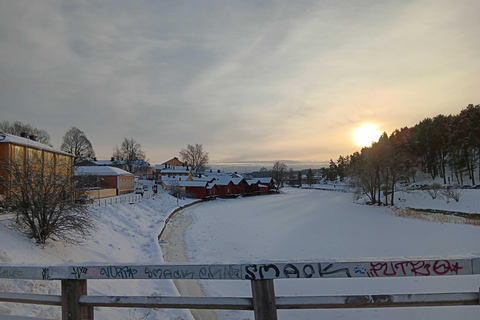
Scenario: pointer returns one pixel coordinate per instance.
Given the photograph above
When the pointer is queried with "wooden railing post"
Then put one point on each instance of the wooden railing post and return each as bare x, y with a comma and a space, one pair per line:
263, 294
72, 290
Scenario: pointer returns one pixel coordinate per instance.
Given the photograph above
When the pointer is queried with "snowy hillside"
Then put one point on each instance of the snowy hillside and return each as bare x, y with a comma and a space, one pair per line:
125, 233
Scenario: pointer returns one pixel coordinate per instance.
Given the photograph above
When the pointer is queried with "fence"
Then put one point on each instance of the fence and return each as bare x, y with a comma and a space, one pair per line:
130, 198
76, 304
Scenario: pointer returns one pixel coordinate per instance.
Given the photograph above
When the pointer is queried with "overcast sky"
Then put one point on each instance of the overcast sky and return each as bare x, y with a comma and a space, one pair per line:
253, 81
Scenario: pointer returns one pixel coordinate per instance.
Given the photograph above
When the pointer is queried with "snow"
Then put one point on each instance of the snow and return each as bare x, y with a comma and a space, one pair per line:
126, 233
101, 171
297, 224
313, 225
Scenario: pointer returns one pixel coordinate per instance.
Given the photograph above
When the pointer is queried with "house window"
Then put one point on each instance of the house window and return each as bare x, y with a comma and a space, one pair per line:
39, 156
49, 158
18, 153
30, 155
60, 160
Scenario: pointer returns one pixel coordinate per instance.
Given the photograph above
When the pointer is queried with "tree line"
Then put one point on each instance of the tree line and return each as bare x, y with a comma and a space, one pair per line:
445, 147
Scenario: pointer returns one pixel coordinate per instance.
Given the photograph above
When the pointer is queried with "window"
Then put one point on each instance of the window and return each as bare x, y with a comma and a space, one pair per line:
49, 156
60, 160
30, 155
39, 156
18, 153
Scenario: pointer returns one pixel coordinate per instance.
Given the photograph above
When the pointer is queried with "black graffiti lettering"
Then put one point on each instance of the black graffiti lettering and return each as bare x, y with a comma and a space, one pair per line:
168, 274
213, 272
187, 274
290, 269
231, 272
325, 271
157, 273
310, 272
250, 272
203, 274
78, 271
267, 268
119, 272
45, 274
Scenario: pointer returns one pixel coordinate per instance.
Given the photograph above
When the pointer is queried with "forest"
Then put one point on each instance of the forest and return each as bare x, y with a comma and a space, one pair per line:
445, 147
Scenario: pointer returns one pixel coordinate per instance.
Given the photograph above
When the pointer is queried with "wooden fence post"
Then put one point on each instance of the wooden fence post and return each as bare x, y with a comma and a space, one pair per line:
72, 290
263, 294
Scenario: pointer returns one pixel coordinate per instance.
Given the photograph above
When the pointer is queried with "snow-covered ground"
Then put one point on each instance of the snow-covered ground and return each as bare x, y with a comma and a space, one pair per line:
296, 225
125, 233
317, 225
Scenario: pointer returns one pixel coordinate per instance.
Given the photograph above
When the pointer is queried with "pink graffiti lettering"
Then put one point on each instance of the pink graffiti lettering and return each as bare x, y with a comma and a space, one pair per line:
413, 268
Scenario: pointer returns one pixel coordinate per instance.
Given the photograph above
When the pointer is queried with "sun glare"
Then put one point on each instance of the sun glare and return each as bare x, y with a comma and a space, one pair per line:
364, 136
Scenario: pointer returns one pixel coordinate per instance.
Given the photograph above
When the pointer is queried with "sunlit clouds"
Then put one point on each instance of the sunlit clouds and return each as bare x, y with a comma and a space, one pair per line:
252, 81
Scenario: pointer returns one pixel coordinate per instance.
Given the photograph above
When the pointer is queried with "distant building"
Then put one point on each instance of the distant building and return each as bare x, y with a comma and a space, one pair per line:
105, 177
171, 169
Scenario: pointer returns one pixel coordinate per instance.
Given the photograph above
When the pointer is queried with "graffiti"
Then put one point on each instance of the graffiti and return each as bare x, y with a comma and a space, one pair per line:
169, 274
359, 269
232, 272
289, 270
270, 270
119, 272
45, 273
196, 272
78, 271
326, 271
413, 268
10, 273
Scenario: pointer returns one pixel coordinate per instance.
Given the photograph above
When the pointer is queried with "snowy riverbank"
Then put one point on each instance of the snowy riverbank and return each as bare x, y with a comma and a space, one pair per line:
295, 225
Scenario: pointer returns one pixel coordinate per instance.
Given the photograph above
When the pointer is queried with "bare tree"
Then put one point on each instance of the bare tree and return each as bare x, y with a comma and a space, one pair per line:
18, 128
130, 151
310, 179
195, 156
76, 142
279, 172
264, 172
43, 202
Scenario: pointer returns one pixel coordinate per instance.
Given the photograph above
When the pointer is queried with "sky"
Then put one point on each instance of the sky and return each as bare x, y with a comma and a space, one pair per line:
252, 81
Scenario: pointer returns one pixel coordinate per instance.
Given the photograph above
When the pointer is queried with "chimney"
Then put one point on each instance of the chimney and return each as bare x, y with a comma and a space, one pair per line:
112, 159
33, 137
23, 134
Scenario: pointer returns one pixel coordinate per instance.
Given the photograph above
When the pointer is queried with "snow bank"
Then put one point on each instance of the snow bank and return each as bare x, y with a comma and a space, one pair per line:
126, 233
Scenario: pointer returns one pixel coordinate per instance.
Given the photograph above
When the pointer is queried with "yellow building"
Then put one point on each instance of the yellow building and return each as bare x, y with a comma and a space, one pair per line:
33, 157
173, 163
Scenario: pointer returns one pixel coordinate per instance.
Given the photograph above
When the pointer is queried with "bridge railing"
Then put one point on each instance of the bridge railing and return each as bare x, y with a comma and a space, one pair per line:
77, 304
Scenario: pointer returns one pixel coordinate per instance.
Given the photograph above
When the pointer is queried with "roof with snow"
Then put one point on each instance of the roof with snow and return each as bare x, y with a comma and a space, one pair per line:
103, 162
176, 170
100, 171
176, 183
10, 138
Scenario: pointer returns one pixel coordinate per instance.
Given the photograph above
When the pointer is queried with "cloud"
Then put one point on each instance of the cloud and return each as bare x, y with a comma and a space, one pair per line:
252, 80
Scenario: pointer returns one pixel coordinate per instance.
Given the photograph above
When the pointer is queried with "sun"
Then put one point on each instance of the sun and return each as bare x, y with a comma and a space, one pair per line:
366, 134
